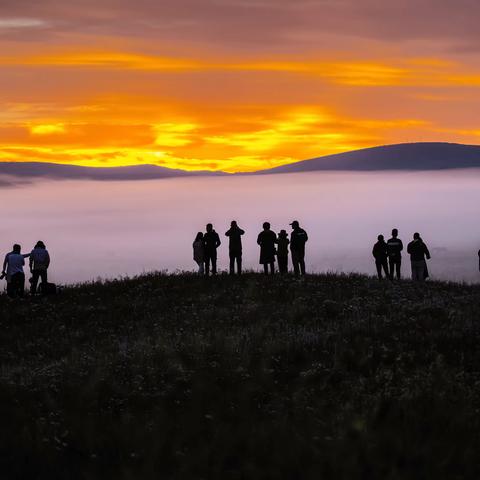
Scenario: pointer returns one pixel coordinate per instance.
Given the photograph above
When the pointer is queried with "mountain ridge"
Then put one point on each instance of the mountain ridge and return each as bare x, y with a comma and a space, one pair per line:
426, 156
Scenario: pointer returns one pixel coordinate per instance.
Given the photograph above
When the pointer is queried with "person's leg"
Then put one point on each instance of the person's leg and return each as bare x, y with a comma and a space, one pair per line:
272, 268
296, 266
398, 267
378, 265
214, 263
415, 272
11, 289
232, 263
302, 264
385, 268
44, 276
207, 264
281, 264
33, 285
265, 268
239, 263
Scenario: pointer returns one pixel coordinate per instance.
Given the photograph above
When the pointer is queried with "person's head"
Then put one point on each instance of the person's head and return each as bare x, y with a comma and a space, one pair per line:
233, 224
416, 236
380, 238
199, 236
17, 248
394, 233
209, 227
295, 224
283, 234
266, 226
39, 244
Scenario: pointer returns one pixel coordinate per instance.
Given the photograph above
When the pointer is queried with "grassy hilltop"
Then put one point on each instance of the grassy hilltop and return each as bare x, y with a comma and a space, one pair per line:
179, 377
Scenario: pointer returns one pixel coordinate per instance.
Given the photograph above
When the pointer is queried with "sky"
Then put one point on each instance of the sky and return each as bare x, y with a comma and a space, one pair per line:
233, 85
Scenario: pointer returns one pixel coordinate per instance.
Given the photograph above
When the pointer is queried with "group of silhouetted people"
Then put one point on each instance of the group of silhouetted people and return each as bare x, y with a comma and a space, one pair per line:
388, 256
39, 261
272, 247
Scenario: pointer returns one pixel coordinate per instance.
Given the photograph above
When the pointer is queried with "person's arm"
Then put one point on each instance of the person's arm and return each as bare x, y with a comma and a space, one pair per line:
227, 233
427, 253
306, 236
218, 242
30, 262
409, 249
48, 260
373, 252
401, 246
5, 263
242, 232
259, 239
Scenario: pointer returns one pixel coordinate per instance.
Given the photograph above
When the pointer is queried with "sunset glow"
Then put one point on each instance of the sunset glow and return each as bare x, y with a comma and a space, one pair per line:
237, 86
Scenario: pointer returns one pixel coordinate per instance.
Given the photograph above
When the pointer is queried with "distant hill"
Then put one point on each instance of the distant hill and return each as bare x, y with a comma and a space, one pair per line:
56, 171
405, 156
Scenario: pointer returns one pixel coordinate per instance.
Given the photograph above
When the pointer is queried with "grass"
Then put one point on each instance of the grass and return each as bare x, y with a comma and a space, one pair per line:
179, 377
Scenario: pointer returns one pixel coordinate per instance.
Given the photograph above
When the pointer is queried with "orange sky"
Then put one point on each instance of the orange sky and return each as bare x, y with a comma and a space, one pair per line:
232, 85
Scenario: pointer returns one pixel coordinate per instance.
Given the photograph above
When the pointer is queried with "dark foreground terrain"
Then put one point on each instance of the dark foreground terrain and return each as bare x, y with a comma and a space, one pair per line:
178, 377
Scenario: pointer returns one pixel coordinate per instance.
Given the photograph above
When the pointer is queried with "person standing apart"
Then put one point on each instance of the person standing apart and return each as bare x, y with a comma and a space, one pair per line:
267, 240
39, 263
394, 250
379, 252
13, 270
298, 238
235, 246
418, 252
199, 252
211, 242
282, 251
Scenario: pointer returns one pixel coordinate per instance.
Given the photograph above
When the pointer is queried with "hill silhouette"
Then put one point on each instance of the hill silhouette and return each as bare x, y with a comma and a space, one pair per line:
405, 156
172, 376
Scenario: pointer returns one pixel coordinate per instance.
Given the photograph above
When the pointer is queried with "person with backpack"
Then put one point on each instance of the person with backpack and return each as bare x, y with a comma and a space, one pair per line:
267, 239
282, 251
39, 263
211, 242
199, 252
298, 238
380, 254
418, 254
394, 250
235, 246
13, 270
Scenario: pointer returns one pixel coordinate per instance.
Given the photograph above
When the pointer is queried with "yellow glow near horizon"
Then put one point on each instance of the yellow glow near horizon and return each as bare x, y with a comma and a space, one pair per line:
47, 129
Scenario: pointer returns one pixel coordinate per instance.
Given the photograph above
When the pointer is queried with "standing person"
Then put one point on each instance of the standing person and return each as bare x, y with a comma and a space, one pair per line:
394, 249
266, 240
199, 252
298, 238
211, 242
235, 246
282, 251
380, 254
39, 263
13, 269
418, 251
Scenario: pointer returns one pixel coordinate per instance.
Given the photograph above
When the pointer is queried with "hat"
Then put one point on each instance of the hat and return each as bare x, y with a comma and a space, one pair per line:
283, 233
295, 222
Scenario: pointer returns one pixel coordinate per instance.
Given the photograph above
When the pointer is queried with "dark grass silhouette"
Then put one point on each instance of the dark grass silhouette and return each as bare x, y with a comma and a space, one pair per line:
242, 377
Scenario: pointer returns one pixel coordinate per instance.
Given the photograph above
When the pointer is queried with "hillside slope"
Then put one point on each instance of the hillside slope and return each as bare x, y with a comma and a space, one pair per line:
175, 377
405, 156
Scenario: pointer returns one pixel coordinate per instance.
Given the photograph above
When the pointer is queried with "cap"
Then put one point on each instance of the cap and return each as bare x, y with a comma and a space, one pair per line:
295, 222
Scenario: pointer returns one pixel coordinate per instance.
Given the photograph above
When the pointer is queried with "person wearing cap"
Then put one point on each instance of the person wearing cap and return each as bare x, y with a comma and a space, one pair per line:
39, 263
298, 238
13, 270
235, 246
282, 251
211, 241
267, 240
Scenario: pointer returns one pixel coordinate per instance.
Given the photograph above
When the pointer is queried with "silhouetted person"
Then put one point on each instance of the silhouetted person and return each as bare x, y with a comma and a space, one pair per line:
394, 250
282, 251
199, 252
235, 247
380, 254
418, 251
39, 263
266, 240
211, 242
298, 238
13, 269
